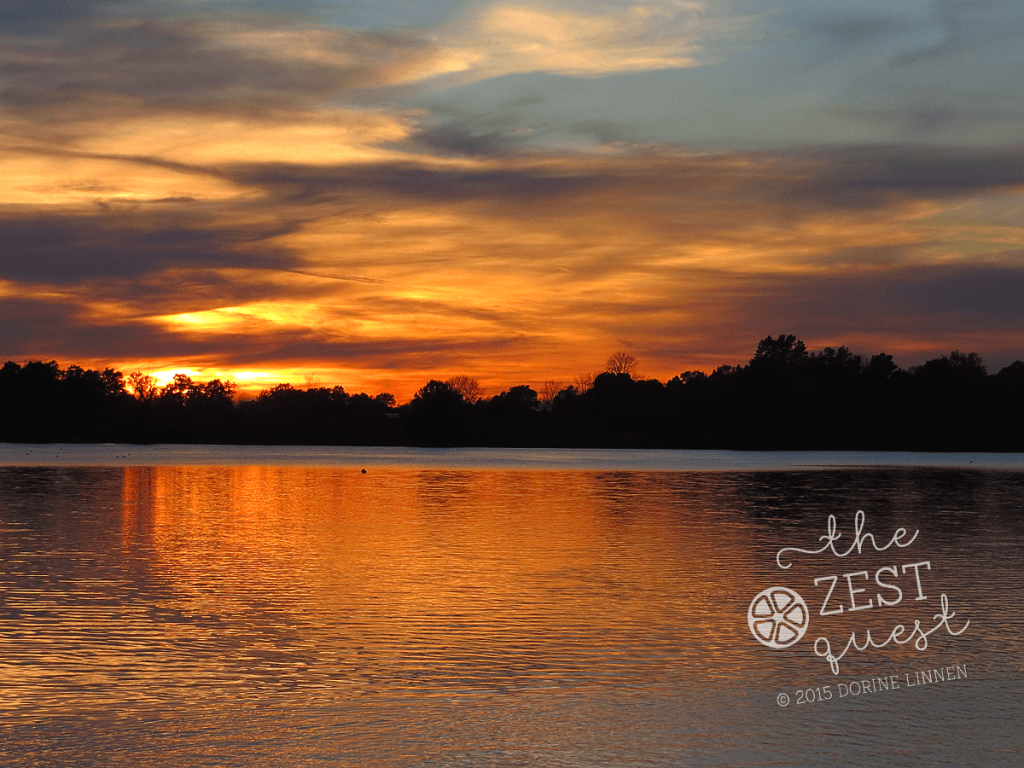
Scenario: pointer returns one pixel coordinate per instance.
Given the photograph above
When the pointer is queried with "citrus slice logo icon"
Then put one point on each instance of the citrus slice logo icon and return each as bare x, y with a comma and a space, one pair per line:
777, 617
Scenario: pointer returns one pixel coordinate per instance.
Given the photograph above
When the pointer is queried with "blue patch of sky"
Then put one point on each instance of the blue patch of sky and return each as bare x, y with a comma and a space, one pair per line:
793, 73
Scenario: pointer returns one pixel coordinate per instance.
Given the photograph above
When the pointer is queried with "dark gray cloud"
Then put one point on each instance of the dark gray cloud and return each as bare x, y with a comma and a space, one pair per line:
942, 119
456, 140
903, 33
92, 70
68, 249
33, 328
398, 180
35, 16
790, 184
969, 27
196, 290
857, 29
983, 293
873, 176
918, 301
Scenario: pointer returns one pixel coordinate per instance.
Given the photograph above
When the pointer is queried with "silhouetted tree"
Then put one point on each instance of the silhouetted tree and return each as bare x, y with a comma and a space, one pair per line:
216, 393
621, 362
946, 406
785, 353
142, 386
517, 403
385, 399
784, 397
466, 386
583, 381
881, 367
177, 392
438, 414
691, 377
548, 391
1007, 405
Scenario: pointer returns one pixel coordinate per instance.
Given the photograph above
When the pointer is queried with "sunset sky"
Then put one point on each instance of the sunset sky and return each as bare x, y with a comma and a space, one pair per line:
374, 194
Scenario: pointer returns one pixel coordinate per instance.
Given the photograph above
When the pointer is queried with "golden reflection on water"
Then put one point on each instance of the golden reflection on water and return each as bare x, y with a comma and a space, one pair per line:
451, 609
432, 578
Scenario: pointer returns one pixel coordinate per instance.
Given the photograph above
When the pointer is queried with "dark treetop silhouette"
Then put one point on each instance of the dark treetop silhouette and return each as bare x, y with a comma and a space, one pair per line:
784, 398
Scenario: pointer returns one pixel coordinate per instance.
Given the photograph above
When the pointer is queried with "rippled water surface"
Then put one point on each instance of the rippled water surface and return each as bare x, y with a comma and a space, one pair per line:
436, 612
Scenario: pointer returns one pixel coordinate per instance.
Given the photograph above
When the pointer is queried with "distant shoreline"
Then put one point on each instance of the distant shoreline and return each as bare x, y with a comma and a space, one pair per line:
583, 459
784, 399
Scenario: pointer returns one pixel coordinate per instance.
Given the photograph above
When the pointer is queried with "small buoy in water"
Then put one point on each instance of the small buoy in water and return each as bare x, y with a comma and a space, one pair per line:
364, 471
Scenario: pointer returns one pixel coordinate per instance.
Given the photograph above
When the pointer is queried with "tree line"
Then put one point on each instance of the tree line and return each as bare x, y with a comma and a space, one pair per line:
784, 397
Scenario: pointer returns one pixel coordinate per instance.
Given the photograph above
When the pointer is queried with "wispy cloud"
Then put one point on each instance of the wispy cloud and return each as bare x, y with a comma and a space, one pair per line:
508, 38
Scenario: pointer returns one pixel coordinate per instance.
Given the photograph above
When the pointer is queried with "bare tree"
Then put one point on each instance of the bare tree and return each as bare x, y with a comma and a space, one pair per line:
548, 391
583, 382
142, 385
466, 386
621, 362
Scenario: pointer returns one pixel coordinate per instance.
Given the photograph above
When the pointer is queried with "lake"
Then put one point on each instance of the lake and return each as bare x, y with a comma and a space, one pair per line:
231, 606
